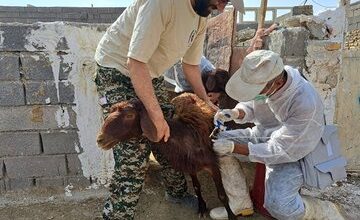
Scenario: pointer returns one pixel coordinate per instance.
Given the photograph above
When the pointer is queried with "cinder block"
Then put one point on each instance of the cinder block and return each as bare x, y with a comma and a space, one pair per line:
9, 67
353, 27
20, 183
77, 181
2, 186
44, 92
12, 8
1, 169
65, 69
289, 42
50, 182
74, 165
19, 144
66, 93
60, 142
11, 93
9, 14
353, 20
37, 118
43, 9
36, 166
36, 66
14, 36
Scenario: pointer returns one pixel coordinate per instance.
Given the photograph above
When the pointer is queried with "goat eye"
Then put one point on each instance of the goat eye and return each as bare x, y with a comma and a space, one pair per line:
130, 116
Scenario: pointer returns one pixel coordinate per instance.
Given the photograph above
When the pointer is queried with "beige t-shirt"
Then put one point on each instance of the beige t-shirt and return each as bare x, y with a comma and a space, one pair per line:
156, 32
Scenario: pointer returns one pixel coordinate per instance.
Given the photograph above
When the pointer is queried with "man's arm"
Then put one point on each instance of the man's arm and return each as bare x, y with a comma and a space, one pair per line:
193, 76
141, 80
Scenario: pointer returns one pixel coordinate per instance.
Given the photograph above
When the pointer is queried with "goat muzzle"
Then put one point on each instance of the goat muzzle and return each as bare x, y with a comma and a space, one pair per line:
105, 142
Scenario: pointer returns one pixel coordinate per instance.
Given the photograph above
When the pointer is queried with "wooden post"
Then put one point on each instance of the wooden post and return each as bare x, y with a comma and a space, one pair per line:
262, 14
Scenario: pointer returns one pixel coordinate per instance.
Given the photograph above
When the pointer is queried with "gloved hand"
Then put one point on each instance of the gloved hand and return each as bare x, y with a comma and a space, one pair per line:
223, 146
226, 115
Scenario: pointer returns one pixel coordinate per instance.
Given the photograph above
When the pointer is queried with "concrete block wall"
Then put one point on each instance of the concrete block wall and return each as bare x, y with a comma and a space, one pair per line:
47, 106
354, 16
30, 15
353, 34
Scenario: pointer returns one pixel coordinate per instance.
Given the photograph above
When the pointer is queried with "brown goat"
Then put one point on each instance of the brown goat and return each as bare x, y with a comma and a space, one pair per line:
189, 148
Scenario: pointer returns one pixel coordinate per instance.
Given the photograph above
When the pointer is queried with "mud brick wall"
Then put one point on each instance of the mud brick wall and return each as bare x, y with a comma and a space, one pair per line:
47, 99
30, 15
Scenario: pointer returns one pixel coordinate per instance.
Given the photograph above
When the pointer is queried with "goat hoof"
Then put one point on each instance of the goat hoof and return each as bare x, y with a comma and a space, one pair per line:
202, 209
232, 217
202, 215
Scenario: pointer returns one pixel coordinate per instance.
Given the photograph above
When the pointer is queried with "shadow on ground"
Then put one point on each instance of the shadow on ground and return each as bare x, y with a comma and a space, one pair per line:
86, 204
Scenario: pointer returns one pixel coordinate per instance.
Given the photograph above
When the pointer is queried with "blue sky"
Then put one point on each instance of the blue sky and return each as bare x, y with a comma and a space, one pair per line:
124, 3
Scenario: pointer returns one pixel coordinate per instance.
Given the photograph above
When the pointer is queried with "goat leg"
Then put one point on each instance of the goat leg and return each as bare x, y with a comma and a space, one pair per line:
216, 175
197, 188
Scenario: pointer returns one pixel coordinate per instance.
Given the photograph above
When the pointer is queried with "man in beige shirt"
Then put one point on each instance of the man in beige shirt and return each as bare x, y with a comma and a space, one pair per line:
147, 39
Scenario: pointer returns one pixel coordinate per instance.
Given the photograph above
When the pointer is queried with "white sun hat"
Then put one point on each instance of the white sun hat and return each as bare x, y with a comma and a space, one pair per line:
258, 68
238, 5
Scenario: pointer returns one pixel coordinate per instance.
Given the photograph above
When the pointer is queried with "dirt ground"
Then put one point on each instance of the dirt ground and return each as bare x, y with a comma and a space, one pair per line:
86, 204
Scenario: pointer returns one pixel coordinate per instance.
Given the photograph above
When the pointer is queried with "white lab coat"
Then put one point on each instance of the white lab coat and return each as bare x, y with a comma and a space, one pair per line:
292, 119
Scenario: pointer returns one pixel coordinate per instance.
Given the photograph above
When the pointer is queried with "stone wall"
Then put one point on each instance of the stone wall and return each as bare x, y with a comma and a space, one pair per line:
353, 34
49, 115
30, 15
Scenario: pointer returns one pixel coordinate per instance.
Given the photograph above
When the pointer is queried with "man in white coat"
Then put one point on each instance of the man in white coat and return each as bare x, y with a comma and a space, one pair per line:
289, 121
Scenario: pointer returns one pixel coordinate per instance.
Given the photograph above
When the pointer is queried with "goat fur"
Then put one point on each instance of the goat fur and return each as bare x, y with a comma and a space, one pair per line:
188, 149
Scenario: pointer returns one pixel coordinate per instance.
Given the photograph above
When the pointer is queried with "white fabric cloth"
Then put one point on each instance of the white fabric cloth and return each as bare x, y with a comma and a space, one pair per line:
292, 118
175, 75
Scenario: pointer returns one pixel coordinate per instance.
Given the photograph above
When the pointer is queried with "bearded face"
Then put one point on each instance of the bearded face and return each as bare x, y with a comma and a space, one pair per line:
204, 7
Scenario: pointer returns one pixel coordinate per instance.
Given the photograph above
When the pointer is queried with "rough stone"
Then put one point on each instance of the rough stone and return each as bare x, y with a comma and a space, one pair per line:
333, 46
289, 42
60, 142
244, 35
19, 144
20, 183
219, 42
352, 39
323, 65
36, 66
1, 171
297, 62
74, 165
65, 69
9, 67
303, 10
49, 182
315, 25
66, 93
44, 92
37, 118
2, 186
77, 181
11, 93
13, 36
37, 166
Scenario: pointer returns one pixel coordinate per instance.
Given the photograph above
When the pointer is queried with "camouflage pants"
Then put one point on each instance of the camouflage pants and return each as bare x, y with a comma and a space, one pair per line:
131, 157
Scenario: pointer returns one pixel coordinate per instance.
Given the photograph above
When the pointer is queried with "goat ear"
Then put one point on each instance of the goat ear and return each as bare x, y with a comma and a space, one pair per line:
147, 126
